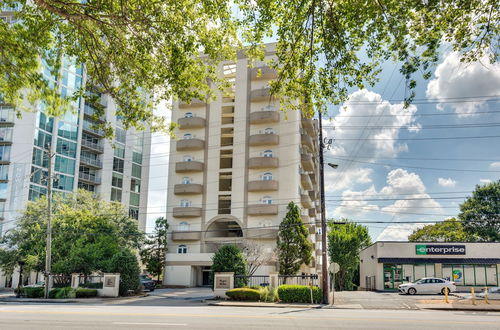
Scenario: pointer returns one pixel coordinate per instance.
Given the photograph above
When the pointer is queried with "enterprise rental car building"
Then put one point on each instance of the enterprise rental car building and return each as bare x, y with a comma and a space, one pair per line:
386, 265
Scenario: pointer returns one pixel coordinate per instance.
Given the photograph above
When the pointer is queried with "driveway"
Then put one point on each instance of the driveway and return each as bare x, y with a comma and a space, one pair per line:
170, 297
381, 300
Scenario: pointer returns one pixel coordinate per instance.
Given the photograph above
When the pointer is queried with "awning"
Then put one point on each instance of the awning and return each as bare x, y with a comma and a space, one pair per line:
470, 261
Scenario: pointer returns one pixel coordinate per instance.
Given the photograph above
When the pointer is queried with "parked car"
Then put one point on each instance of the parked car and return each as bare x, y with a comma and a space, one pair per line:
493, 293
39, 284
428, 285
147, 282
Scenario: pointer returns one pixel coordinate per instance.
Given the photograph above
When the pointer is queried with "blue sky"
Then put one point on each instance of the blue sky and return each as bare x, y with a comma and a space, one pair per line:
424, 167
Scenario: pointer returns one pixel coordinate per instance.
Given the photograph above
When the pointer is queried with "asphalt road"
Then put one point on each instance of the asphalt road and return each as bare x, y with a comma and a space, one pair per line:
68, 316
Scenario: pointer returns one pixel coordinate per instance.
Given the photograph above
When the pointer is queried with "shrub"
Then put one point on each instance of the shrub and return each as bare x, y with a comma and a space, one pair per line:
33, 292
243, 294
85, 293
298, 293
125, 263
229, 258
62, 293
91, 285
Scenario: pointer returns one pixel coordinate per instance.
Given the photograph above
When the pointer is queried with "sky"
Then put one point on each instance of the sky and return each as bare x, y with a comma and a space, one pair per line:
398, 168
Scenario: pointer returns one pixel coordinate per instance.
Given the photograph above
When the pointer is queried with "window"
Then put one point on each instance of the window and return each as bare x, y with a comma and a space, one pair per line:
117, 180
42, 139
267, 176
120, 135
135, 185
269, 131
267, 153
118, 165
67, 131
185, 203
63, 182
182, 249
5, 153
64, 165
187, 158
136, 170
39, 176
4, 172
267, 200
133, 212
40, 158
119, 151
186, 180
188, 115
134, 199
66, 148
184, 226
45, 122
116, 195
35, 191
187, 136
137, 157
86, 186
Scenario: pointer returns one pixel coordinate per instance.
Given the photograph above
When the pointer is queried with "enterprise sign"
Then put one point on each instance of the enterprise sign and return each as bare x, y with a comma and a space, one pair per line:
426, 249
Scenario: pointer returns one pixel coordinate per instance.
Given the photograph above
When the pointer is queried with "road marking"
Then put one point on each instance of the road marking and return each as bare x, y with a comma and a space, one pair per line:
150, 323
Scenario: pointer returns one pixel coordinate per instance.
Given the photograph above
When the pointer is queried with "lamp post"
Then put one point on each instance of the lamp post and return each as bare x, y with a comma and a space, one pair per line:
324, 257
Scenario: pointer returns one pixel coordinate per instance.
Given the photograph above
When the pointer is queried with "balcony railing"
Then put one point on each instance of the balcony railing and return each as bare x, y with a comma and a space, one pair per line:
91, 161
92, 146
263, 162
89, 127
264, 139
89, 178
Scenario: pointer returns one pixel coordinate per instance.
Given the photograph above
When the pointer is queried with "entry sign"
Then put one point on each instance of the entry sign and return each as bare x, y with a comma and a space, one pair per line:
334, 267
426, 249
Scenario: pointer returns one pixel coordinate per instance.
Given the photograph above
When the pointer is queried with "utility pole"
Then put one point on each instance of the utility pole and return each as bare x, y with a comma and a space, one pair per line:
324, 259
48, 249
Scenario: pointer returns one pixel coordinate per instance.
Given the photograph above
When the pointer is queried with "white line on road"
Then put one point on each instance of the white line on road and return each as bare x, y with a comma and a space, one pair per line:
149, 323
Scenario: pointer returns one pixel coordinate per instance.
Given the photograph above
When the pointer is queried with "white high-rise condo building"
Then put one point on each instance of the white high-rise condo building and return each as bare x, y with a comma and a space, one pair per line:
236, 164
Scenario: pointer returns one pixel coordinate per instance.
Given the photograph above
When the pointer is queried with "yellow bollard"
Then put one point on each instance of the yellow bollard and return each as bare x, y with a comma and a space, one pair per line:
446, 296
473, 296
486, 296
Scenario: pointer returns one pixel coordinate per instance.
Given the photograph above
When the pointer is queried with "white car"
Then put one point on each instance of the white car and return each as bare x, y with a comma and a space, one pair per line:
493, 293
428, 285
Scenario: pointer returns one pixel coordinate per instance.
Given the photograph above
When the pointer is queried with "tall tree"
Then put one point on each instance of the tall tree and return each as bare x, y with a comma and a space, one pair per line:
153, 46
229, 258
480, 213
450, 230
345, 241
257, 255
86, 233
155, 249
294, 247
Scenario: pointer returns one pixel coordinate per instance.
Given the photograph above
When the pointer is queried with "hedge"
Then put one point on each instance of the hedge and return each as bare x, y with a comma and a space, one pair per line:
85, 293
298, 293
33, 292
246, 294
62, 293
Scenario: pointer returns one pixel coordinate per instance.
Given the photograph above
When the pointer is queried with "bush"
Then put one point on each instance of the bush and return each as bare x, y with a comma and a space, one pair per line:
245, 294
33, 292
85, 293
229, 258
91, 285
62, 293
125, 263
298, 293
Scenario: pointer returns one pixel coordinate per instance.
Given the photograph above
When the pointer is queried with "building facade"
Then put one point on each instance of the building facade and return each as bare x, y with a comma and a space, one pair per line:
236, 164
386, 265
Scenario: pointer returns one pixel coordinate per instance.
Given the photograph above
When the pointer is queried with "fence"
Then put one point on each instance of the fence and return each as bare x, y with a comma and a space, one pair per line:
299, 279
250, 280
91, 282
61, 281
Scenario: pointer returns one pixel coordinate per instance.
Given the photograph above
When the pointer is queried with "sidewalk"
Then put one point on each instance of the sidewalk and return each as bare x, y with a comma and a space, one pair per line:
11, 298
461, 304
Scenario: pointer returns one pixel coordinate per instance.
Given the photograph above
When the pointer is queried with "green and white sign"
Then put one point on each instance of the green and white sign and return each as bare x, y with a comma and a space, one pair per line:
426, 249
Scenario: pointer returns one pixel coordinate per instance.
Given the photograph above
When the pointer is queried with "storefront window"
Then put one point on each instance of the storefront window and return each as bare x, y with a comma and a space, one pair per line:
491, 275
419, 271
469, 277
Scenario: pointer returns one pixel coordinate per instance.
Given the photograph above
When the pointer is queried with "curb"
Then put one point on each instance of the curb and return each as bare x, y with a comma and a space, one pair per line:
265, 305
68, 301
458, 308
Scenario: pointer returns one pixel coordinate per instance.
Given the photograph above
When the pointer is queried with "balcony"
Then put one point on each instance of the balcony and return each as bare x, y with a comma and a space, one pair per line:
263, 140
312, 213
191, 122
306, 181
307, 141
308, 125
263, 162
89, 178
92, 146
188, 189
306, 201
263, 185
307, 162
262, 233
186, 236
263, 73
262, 94
95, 163
192, 166
313, 178
89, 128
264, 117
262, 209
313, 195
194, 103
89, 111
190, 144
186, 212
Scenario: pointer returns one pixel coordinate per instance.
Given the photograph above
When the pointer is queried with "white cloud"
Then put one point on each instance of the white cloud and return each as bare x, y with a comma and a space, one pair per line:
447, 182
456, 80
366, 128
484, 180
495, 165
353, 203
398, 232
